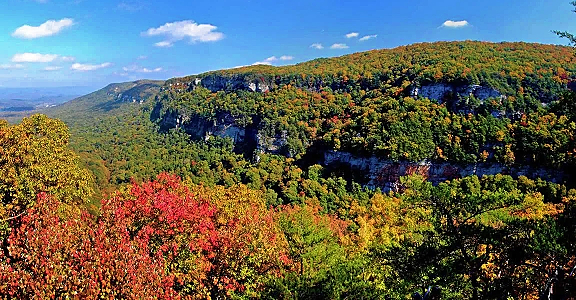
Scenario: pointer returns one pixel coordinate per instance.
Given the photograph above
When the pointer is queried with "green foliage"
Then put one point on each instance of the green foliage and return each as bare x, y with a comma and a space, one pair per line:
35, 158
475, 246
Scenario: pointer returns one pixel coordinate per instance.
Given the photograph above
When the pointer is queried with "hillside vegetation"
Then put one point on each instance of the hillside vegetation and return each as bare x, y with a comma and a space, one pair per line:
312, 181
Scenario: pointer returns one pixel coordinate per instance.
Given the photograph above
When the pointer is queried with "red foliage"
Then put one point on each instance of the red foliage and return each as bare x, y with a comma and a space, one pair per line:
55, 252
155, 240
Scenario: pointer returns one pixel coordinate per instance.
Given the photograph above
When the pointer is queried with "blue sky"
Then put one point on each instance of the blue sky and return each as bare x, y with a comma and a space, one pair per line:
96, 42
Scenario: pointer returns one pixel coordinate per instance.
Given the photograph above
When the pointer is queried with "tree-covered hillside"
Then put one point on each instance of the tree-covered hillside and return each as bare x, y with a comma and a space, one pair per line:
444, 167
523, 70
461, 103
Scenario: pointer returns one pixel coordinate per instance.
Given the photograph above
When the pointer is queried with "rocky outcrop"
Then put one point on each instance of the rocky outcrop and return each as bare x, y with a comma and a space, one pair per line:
384, 174
136, 92
272, 144
251, 138
242, 82
224, 125
442, 92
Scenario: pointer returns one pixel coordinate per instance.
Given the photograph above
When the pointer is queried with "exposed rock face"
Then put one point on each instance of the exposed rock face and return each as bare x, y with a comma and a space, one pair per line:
271, 144
437, 91
231, 83
441, 91
483, 92
384, 174
127, 98
137, 92
225, 126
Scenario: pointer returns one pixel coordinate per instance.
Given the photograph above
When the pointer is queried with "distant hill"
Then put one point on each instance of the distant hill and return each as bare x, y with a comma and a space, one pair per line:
105, 101
16, 103
34, 93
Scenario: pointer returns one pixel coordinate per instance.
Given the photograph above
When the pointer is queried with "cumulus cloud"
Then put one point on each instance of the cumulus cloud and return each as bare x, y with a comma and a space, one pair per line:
11, 66
455, 24
52, 68
88, 67
368, 37
267, 61
272, 59
339, 46
48, 28
187, 29
352, 35
317, 46
164, 44
139, 69
33, 57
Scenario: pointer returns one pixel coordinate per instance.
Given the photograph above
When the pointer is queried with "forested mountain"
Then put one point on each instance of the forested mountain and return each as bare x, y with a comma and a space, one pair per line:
368, 176
450, 104
105, 102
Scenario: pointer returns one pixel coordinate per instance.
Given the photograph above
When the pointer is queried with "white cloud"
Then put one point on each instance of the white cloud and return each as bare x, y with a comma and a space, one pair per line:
67, 58
52, 68
48, 28
164, 44
455, 24
88, 67
267, 63
11, 66
272, 59
187, 29
139, 69
145, 70
339, 46
352, 35
141, 57
368, 37
317, 46
33, 57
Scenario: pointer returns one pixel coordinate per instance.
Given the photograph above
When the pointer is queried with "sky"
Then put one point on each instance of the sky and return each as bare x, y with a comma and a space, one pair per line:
51, 43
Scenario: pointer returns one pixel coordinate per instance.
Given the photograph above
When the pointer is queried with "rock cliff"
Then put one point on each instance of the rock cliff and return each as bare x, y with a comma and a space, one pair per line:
247, 139
384, 174
442, 91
